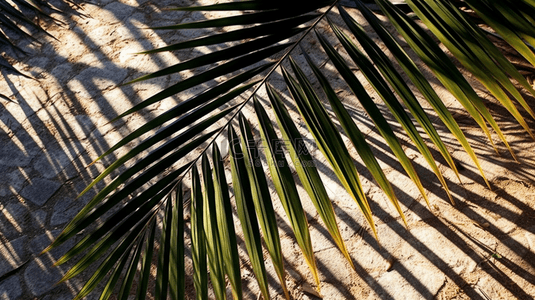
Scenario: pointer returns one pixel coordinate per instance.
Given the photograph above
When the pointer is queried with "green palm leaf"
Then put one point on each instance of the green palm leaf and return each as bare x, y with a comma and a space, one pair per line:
286, 188
382, 88
262, 200
198, 237
216, 261
358, 139
226, 225
329, 141
246, 211
306, 170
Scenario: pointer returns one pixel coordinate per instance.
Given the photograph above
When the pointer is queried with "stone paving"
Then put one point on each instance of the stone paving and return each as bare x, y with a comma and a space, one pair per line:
53, 127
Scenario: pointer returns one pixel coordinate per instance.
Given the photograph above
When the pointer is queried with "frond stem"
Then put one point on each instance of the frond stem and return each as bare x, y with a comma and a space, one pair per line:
279, 62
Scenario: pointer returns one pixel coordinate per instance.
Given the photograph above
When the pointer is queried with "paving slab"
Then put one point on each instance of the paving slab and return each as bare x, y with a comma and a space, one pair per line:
14, 218
13, 254
10, 288
40, 190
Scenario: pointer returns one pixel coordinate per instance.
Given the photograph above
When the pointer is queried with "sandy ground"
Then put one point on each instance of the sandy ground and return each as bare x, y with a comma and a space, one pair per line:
55, 125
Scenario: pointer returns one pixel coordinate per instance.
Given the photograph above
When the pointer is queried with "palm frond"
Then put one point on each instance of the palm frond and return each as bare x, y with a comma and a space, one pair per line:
266, 43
